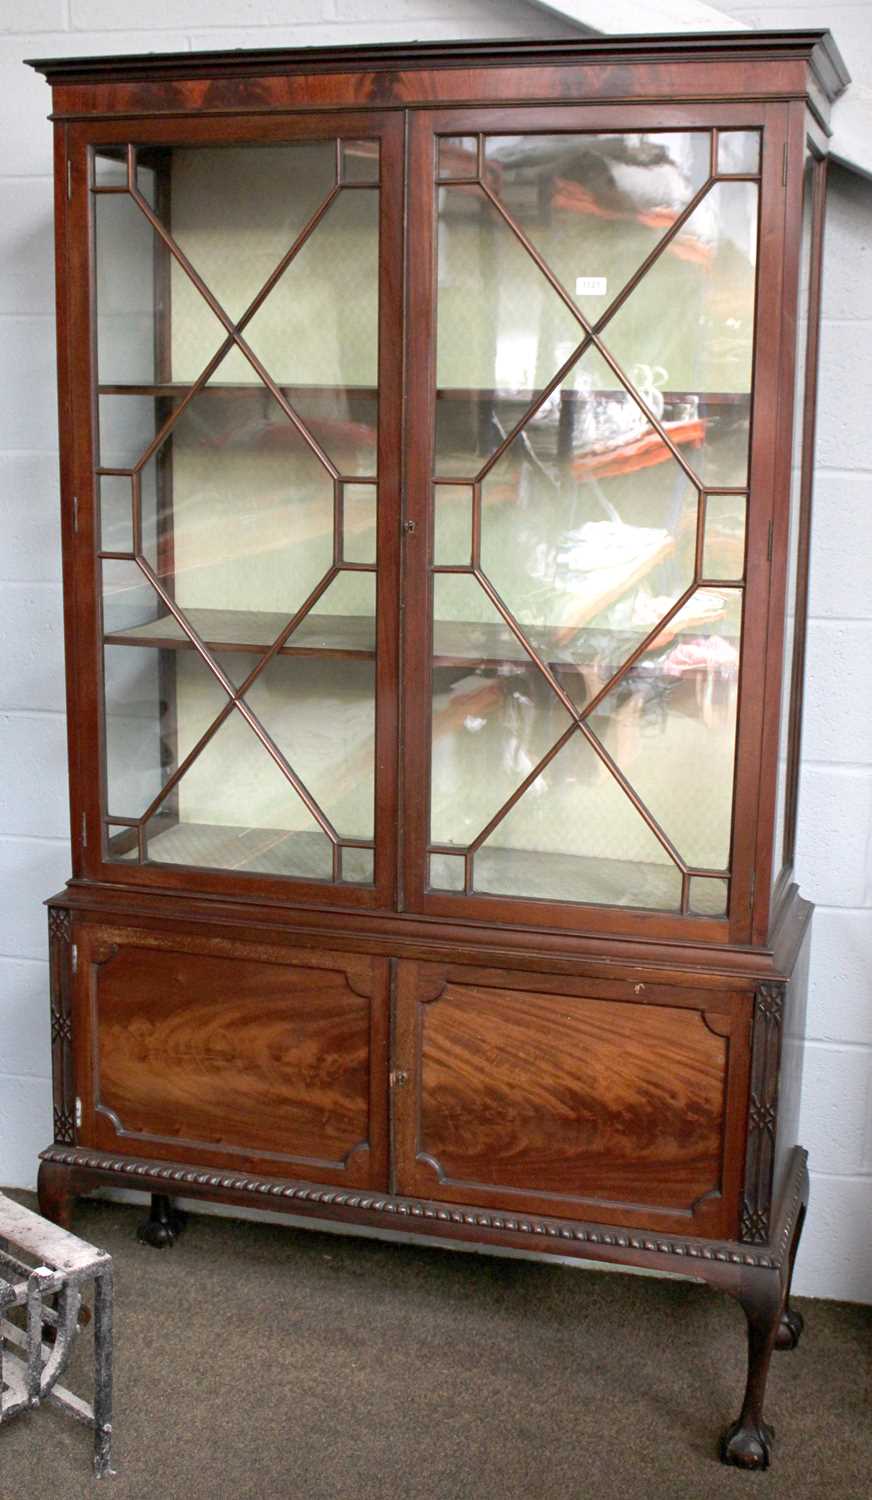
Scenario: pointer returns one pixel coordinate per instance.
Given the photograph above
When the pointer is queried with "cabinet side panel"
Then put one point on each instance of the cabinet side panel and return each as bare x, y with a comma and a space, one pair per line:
792, 1055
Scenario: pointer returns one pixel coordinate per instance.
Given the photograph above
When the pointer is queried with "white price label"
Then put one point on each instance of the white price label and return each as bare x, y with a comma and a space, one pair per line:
590, 286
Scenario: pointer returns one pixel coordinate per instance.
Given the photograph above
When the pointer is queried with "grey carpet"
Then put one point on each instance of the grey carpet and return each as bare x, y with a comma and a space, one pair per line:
262, 1361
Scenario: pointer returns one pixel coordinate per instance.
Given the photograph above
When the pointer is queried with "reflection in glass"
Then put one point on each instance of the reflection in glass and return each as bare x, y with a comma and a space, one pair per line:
128, 598
457, 156
589, 518
738, 151
116, 513
595, 206
701, 351
360, 161
588, 527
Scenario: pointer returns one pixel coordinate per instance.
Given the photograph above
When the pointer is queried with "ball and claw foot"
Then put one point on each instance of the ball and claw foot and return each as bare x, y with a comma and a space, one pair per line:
747, 1446
163, 1226
789, 1329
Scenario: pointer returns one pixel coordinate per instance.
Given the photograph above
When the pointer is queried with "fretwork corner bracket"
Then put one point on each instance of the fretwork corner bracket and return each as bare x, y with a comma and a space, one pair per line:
766, 1034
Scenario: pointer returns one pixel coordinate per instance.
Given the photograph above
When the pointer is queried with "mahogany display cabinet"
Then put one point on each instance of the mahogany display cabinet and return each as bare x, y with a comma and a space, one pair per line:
437, 428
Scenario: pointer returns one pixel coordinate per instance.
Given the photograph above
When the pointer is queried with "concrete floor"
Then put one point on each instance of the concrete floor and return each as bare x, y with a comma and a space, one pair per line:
256, 1361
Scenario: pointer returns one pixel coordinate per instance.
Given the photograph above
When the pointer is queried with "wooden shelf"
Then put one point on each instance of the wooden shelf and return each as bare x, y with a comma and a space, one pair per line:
457, 642
178, 389
254, 631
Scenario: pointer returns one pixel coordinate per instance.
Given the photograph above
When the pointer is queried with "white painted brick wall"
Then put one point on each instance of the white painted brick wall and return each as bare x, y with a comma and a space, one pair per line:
835, 849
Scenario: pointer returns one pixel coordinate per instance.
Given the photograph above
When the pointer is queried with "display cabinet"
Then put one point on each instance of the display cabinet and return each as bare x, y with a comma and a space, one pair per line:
437, 428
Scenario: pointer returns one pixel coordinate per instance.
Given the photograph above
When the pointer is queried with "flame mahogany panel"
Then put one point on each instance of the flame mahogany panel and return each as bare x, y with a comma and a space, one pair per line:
241, 1056
569, 1099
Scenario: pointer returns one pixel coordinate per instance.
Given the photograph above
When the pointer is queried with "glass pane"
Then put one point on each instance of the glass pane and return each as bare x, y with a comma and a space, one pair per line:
670, 726
358, 866
110, 170
344, 421
452, 524
235, 211
128, 426
494, 714
738, 151
238, 811
248, 505
360, 161
126, 251
447, 872
320, 714
575, 836
359, 522
501, 327
143, 689
319, 325
724, 543
122, 843
128, 598
708, 898
690, 323
588, 527
457, 156
595, 206
116, 513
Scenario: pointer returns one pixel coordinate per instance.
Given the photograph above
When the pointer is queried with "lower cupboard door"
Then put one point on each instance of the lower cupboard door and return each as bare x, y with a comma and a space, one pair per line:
231, 1054
595, 1100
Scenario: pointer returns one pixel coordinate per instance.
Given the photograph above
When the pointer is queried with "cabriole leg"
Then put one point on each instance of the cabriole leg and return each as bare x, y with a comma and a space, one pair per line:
163, 1225
747, 1441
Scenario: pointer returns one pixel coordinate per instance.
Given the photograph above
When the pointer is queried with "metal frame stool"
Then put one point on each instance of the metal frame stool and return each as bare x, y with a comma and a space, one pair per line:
62, 1265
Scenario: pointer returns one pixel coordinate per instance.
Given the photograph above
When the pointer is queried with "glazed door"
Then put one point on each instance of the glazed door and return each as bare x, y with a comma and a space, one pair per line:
580, 465
244, 470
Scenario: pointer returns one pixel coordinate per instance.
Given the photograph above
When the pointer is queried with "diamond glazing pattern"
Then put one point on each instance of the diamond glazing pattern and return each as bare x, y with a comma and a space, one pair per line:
578, 403
236, 497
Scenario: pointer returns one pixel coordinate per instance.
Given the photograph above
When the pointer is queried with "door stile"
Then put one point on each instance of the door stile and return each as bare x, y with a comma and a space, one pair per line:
417, 513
